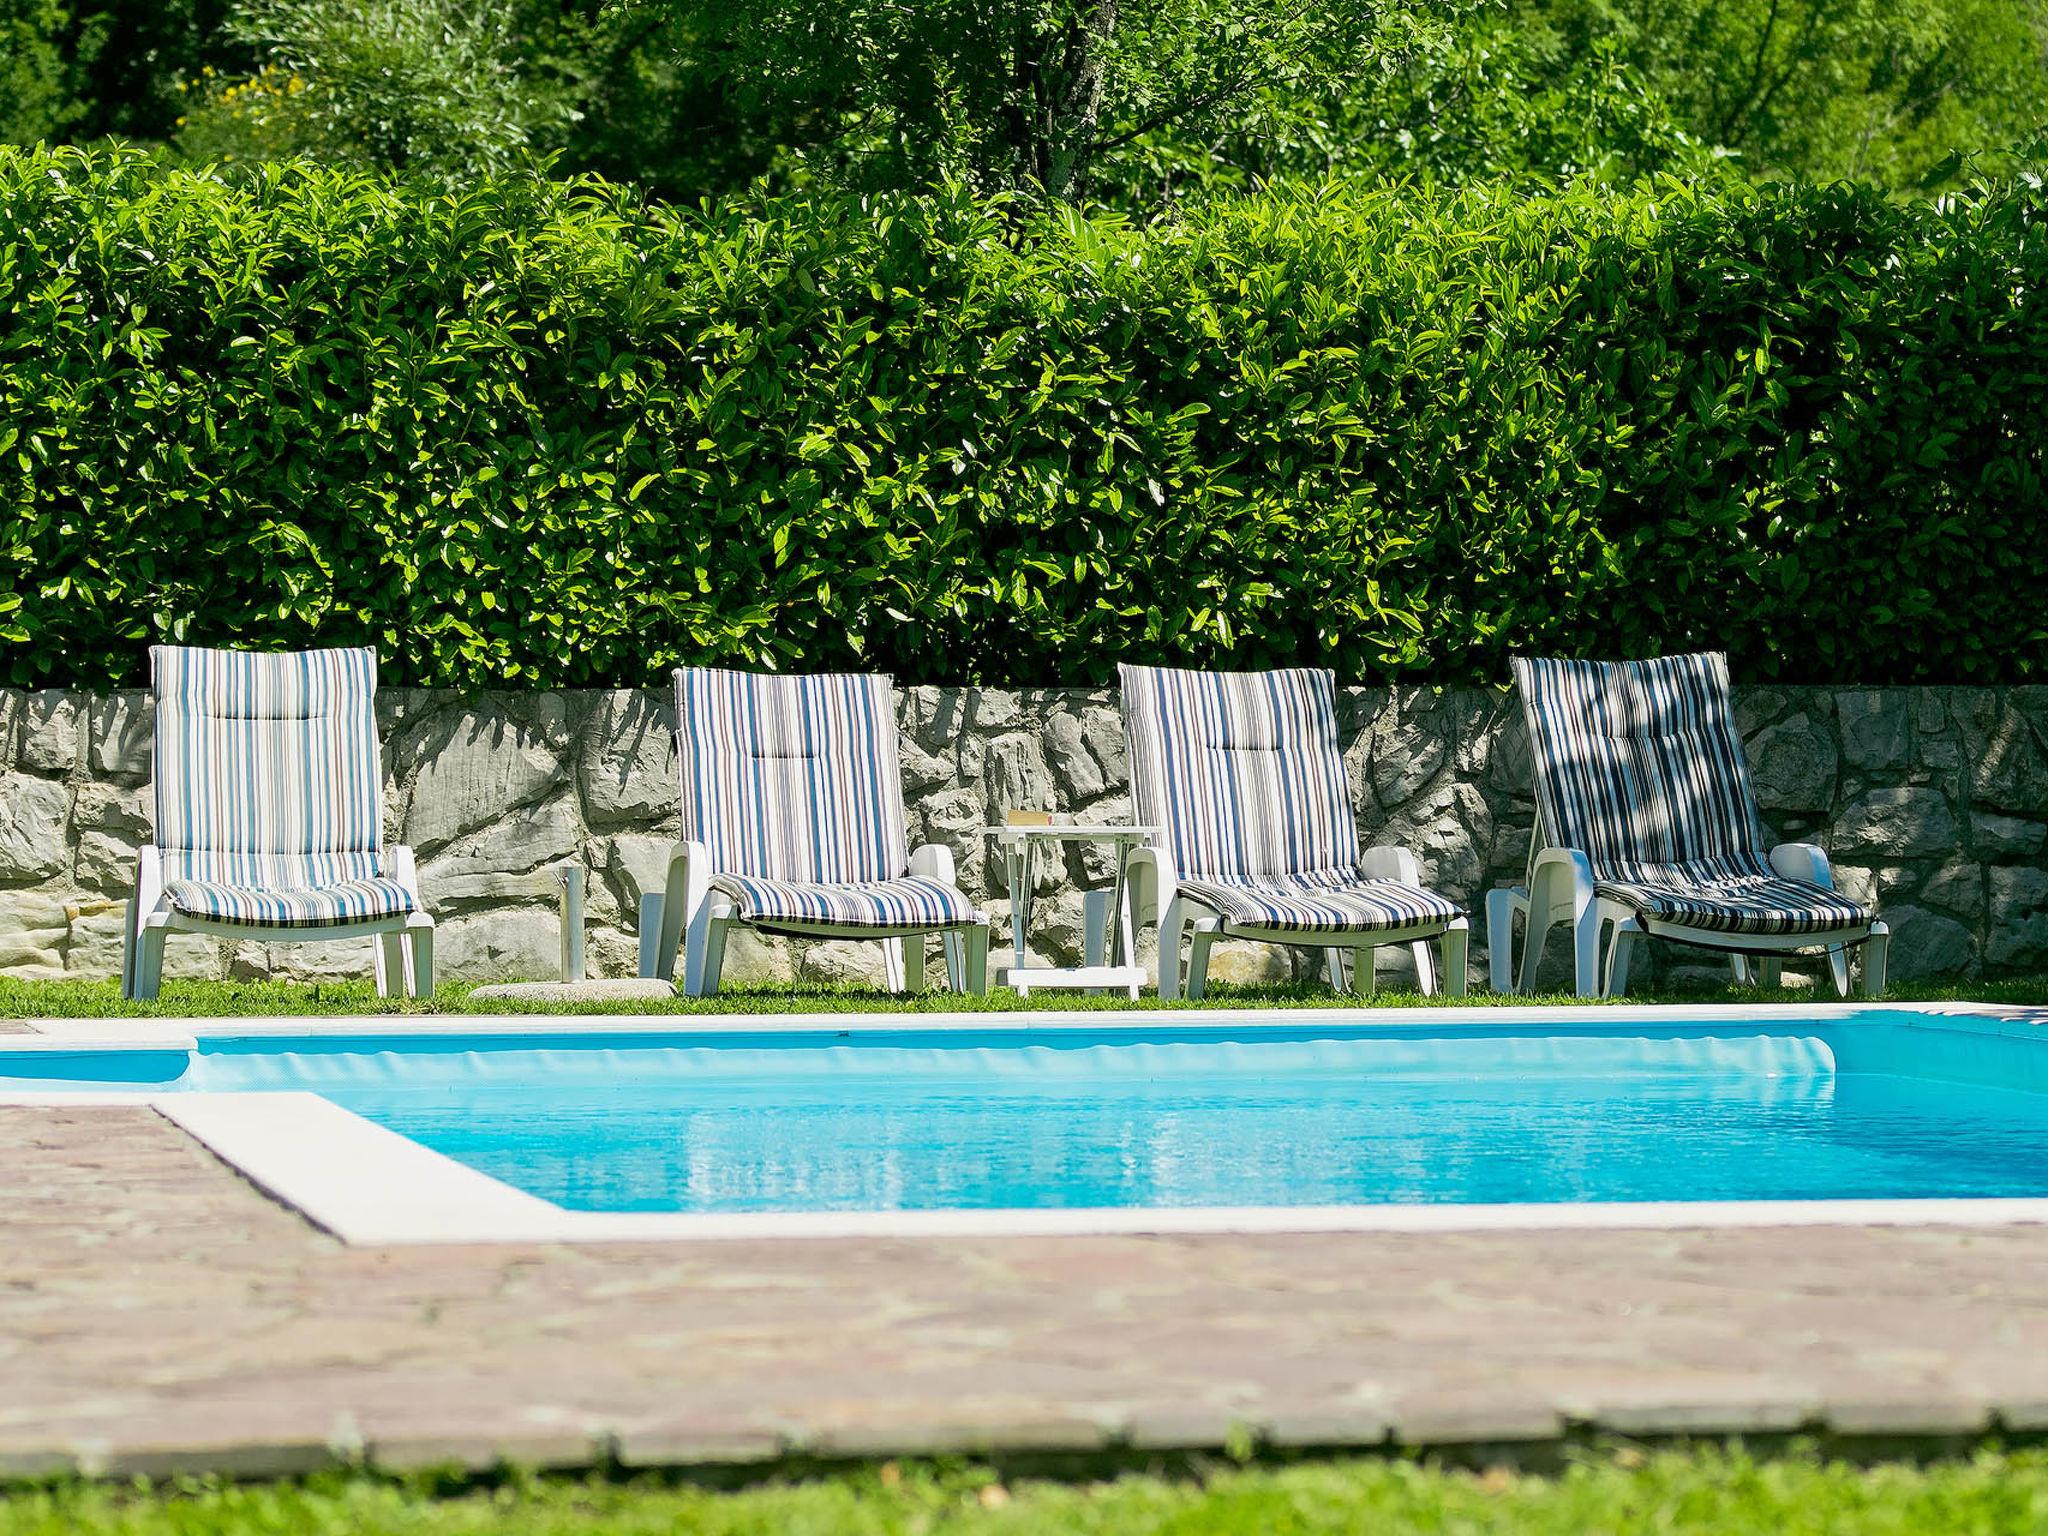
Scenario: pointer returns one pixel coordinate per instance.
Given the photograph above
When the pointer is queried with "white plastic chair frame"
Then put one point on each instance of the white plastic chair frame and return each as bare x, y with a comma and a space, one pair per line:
1605, 932
691, 916
1184, 918
402, 958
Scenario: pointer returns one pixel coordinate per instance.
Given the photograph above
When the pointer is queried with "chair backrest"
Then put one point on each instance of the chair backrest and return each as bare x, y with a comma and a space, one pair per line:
1241, 771
267, 772
1638, 764
792, 778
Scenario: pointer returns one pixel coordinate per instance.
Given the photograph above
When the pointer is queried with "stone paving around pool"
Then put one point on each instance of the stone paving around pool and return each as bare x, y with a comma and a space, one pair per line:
157, 1313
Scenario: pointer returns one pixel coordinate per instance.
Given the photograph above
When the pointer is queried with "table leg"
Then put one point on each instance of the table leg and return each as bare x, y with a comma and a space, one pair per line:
1019, 865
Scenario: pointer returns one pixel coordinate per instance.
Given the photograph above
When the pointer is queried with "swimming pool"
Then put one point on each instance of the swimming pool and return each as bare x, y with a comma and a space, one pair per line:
1341, 1110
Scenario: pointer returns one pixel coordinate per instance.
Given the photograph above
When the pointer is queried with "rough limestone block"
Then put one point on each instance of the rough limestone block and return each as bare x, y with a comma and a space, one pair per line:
1873, 726
474, 768
106, 864
121, 728
2008, 766
636, 863
505, 943
1793, 765
626, 763
33, 930
329, 960
35, 818
2002, 836
1067, 752
46, 731
1897, 823
1926, 943
2018, 928
1957, 888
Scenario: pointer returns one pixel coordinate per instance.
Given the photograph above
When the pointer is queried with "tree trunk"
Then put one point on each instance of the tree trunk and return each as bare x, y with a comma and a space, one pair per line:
1075, 115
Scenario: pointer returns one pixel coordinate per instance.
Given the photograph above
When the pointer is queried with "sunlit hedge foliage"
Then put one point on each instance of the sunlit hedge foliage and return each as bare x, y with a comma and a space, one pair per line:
534, 433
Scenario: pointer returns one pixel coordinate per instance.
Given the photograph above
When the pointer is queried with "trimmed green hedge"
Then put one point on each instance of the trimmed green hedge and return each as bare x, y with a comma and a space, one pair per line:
538, 434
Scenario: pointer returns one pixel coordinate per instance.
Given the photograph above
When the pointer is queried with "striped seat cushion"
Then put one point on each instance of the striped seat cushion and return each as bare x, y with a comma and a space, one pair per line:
912, 902
1243, 774
269, 787
352, 901
1761, 904
1639, 767
793, 784
1341, 902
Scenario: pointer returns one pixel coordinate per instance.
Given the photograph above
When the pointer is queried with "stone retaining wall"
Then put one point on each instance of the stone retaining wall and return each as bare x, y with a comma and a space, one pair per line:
1934, 800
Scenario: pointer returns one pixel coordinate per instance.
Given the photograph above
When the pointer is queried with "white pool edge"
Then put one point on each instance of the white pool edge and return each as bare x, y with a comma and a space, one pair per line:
369, 1186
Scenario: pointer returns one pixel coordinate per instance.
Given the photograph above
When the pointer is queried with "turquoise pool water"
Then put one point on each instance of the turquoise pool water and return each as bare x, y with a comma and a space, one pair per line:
1272, 1114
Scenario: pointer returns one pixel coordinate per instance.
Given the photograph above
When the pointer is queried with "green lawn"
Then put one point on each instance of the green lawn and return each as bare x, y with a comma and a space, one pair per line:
243, 999
1706, 1491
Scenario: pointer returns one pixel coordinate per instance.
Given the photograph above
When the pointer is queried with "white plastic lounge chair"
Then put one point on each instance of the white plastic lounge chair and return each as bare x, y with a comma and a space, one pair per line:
1243, 775
1646, 825
792, 802
270, 815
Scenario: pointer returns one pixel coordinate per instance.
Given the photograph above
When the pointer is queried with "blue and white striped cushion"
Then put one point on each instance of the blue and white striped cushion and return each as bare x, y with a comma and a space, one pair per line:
1243, 774
1762, 904
331, 906
1341, 902
1638, 765
792, 778
269, 791
912, 902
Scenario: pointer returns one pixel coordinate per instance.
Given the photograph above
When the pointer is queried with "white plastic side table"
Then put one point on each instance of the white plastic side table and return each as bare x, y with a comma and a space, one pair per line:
1105, 915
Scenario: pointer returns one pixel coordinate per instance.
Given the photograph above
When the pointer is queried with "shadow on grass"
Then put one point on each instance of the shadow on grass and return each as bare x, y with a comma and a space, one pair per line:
250, 999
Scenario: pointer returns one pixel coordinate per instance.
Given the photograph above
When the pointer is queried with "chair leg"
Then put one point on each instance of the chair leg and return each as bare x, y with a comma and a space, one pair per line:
1876, 956
685, 896
1425, 968
1770, 973
1738, 970
1457, 946
696, 945
1535, 934
1501, 905
1621, 949
951, 945
1334, 961
974, 944
149, 963
912, 946
711, 952
1198, 961
1838, 965
1173, 927
895, 965
650, 934
1364, 971
1337, 968
422, 936
1586, 936
128, 946
388, 963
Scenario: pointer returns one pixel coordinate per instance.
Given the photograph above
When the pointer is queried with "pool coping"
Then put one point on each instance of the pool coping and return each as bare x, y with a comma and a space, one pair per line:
369, 1186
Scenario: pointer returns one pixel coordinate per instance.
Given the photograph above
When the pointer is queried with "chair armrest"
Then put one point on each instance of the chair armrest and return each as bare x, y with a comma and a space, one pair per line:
1151, 885
1389, 861
149, 883
933, 861
405, 870
665, 915
1560, 883
1803, 861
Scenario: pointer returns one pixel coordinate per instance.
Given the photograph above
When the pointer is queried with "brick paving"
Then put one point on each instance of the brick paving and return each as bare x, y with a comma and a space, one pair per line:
157, 1313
